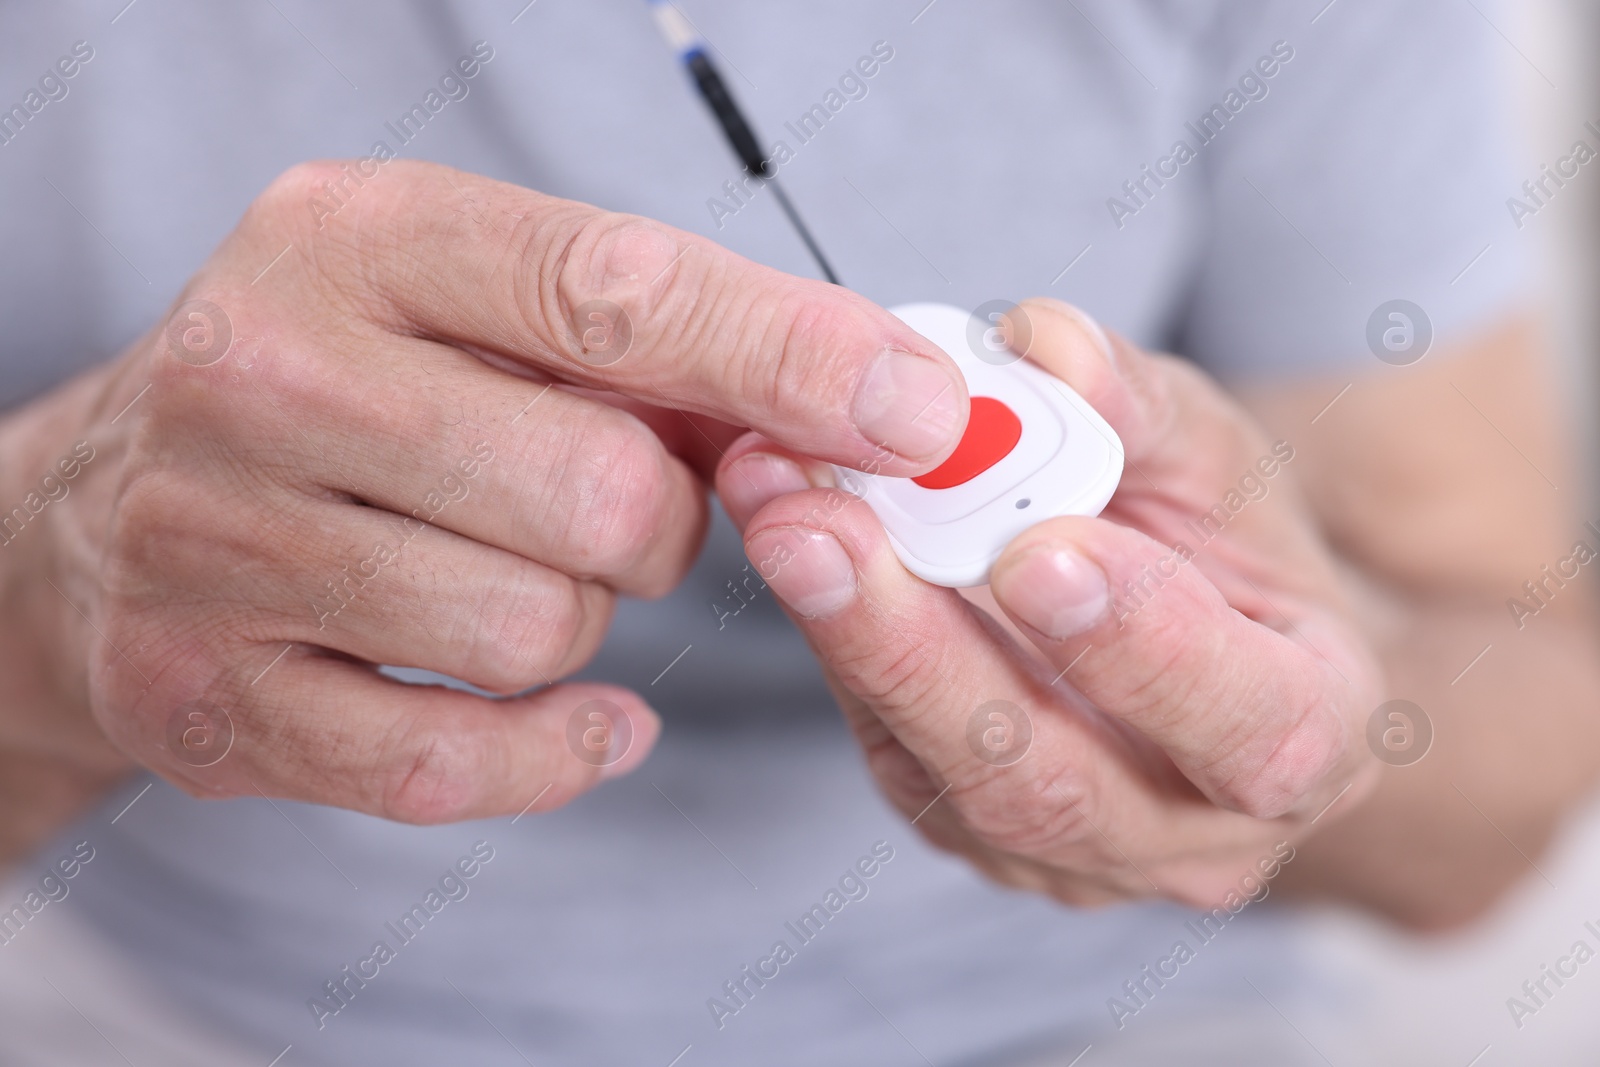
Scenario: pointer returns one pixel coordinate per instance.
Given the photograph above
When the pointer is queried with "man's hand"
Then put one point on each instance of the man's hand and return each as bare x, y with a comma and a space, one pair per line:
1198, 691
433, 430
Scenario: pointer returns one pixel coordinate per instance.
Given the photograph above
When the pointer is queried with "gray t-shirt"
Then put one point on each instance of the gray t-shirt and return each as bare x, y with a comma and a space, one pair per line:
1241, 181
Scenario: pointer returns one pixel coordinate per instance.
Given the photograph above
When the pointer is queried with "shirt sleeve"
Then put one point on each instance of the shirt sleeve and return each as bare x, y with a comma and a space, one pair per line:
1373, 166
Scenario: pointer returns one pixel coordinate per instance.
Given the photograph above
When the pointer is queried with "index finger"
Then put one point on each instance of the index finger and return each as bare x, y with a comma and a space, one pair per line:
623, 303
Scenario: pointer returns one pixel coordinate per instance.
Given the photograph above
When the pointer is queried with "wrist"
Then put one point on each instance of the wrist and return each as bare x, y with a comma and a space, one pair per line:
58, 477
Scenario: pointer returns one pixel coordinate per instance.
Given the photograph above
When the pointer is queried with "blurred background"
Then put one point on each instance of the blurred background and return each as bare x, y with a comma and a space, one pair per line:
1443, 999
1553, 60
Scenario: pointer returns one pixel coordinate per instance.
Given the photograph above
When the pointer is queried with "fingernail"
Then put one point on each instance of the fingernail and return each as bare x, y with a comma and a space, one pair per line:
808, 569
909, 405
1056, 591
751, 481
636, 752
1094, 330
1091, 329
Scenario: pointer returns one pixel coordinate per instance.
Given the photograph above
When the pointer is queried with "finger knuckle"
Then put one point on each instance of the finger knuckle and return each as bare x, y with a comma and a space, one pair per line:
432, 775
154, 520
1028, 820
533, 639
1023, 832
901, 681
236, 392
1161, 687
625, 259
148, 500
148, 715
614, 497
1300, 759
289, 198
182, 388
801, 335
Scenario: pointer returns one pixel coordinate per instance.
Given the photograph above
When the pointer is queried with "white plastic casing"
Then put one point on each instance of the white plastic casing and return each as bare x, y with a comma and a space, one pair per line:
1067, 461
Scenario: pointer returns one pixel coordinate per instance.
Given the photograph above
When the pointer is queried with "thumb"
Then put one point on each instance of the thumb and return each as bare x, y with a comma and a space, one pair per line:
1260, 721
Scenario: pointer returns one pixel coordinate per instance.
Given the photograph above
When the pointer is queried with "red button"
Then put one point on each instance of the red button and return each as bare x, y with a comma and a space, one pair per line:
993, 430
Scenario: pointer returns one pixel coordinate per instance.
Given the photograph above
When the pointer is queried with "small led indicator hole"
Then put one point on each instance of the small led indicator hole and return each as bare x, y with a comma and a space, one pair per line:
1024, 502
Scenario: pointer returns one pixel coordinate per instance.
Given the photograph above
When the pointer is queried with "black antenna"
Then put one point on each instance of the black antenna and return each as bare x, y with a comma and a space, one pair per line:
800, 228
683, 38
